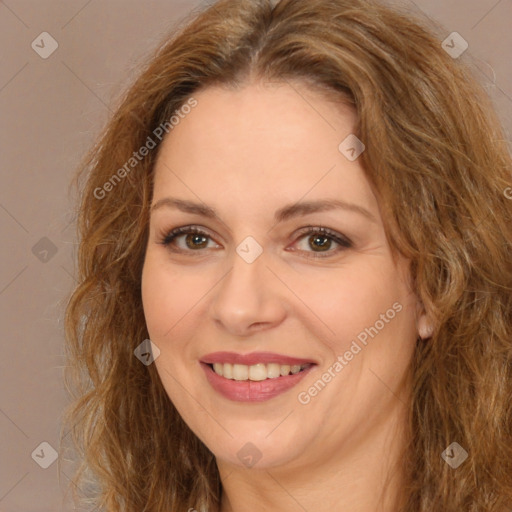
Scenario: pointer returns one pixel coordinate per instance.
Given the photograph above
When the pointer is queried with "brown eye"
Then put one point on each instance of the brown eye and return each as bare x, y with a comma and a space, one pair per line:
321, 242
318, 242
194, 239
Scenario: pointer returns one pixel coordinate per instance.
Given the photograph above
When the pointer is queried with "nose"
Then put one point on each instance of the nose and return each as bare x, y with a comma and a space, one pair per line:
249, 298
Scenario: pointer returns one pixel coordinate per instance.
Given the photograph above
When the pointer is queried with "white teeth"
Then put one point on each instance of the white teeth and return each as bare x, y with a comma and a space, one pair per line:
256, 372
273, 370
285, 369
227, 370
240, 372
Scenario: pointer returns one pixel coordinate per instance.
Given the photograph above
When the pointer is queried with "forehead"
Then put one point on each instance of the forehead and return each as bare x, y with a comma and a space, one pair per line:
260, 142
262, 115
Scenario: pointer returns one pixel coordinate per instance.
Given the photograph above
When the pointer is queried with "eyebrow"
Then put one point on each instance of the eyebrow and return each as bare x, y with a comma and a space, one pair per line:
281, 215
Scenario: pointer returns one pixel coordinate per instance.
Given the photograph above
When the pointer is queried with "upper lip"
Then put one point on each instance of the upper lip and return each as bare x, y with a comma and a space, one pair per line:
253, 358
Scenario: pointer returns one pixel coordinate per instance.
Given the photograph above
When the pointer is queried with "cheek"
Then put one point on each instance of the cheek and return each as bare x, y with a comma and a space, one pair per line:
155, 298
168, 295
168, 299
351, 299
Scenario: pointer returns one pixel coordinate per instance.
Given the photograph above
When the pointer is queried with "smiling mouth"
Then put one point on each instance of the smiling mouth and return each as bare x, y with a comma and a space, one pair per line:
256, 372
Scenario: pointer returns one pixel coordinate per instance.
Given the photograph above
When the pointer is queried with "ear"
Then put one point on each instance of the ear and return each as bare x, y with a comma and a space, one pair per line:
425, 328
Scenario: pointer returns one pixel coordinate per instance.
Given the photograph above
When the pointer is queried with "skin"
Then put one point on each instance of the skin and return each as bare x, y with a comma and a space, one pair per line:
248, 153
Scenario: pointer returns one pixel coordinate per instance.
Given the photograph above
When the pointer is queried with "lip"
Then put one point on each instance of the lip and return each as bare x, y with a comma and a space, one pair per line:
254, 391
253, 358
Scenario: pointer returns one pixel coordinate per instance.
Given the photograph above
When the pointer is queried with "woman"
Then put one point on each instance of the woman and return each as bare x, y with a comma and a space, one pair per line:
295, 274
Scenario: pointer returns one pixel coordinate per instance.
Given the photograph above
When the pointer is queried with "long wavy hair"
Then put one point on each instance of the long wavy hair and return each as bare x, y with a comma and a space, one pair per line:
437, 156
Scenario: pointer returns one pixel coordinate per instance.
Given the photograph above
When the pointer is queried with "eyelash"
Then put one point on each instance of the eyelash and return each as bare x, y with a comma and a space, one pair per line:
167, 238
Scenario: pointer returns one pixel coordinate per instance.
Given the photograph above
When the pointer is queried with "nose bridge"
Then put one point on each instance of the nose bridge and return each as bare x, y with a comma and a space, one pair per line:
246, 280
247, 295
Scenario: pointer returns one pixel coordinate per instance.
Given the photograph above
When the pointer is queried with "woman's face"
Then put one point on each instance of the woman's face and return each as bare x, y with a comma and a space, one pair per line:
261, 291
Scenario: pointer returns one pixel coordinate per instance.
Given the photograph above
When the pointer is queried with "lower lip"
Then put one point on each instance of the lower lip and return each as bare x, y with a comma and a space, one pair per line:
251, 390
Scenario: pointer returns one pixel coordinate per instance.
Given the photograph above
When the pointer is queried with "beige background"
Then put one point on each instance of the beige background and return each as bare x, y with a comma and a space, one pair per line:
51, 110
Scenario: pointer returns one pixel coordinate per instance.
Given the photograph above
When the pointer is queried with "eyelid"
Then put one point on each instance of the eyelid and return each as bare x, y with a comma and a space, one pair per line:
166, 238
330, 233
340, 239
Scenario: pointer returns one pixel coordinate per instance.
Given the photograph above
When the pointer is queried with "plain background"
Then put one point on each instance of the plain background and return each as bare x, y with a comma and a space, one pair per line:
51, 111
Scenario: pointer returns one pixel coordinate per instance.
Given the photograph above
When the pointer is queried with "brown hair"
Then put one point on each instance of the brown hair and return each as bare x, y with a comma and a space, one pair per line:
436, 154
